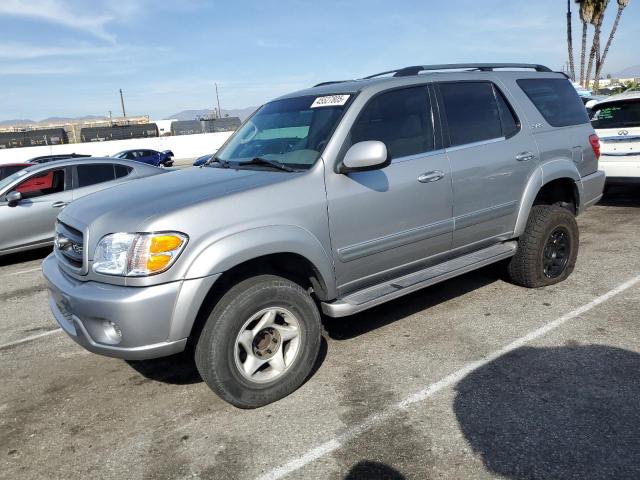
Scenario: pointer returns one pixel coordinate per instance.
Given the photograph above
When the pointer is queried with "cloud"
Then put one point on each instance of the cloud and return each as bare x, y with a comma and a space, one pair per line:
67, 14
36, 70
20, 51
272, 44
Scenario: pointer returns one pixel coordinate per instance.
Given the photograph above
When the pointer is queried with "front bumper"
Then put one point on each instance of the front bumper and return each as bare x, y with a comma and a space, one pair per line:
152, 321
592, 188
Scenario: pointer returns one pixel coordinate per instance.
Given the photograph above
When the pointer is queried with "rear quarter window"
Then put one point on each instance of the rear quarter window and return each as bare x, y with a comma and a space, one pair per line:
556, 100
122, 171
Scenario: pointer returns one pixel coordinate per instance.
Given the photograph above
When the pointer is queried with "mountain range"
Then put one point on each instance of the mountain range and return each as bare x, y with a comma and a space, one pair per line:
26, 121
242, 113
183, 115
633, 71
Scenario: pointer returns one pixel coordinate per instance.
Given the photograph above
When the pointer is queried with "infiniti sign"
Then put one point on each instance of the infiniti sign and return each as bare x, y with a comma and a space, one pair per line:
623, 132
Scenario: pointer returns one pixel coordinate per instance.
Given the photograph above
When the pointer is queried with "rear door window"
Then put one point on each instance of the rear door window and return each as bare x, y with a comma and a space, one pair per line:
401, 119
93, 174
617, 114
471, 111
556, 99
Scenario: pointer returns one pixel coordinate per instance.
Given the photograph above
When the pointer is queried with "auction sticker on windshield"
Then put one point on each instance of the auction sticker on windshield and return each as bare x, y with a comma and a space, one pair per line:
330, 101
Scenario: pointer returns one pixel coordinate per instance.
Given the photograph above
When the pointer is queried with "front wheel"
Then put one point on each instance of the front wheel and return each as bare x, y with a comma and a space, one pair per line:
548, 248
260, 342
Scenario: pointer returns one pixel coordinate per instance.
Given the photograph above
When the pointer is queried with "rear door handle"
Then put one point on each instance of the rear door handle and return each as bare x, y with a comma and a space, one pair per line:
59, 204
429, 177
525, 156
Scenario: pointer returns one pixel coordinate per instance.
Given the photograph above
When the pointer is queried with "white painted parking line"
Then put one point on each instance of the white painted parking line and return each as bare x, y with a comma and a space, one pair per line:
21, 272
28, 339
337, 442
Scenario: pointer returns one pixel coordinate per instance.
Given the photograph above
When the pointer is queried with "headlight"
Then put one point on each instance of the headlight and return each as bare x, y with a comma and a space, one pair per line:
137, 254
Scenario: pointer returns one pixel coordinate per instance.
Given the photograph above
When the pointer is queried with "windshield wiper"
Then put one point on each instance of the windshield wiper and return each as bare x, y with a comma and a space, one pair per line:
271, 163
221, 162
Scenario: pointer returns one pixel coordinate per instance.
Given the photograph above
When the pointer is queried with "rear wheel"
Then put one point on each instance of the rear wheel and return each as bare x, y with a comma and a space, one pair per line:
548, 248
260, 341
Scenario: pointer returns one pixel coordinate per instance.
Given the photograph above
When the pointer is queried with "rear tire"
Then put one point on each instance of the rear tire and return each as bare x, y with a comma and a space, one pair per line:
548, 248
260, 342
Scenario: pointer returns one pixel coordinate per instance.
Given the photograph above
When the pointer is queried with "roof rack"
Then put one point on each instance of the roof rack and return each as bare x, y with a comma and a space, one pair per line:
484, 67
329, 83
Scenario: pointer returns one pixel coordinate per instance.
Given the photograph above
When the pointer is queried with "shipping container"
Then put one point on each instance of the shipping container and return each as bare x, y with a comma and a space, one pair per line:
186, 127
118, 132
48, 136
226, 124
31, 138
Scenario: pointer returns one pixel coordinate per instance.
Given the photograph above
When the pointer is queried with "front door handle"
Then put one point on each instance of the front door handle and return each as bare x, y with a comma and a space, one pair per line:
429, 177
59, 204
525, 156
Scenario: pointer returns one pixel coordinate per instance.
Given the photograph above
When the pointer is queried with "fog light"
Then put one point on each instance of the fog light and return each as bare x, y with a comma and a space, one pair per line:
112, 331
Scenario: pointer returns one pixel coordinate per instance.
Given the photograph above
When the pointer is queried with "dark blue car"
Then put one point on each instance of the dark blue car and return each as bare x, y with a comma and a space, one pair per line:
151, 157
203, 159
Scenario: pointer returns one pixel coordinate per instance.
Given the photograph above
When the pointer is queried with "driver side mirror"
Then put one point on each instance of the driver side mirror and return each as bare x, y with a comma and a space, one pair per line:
363, 156
14, 198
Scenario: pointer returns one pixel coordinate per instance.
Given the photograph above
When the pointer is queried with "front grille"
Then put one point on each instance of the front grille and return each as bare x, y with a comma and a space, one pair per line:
69, 245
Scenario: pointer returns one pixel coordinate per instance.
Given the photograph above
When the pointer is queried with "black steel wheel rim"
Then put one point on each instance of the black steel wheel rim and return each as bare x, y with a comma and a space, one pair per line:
556, 253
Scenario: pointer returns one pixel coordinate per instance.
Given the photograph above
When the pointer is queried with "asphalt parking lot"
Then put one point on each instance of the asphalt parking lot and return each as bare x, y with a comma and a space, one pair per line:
473, 378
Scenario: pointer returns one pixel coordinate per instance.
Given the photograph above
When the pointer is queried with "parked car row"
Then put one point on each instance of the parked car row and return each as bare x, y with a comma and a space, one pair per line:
33, 193
32, 196
151, 157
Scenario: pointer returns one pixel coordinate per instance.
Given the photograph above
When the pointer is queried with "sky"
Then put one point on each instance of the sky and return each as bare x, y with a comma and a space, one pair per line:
70, 57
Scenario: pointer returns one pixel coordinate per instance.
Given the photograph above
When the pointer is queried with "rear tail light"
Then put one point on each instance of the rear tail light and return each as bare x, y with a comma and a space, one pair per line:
595, 144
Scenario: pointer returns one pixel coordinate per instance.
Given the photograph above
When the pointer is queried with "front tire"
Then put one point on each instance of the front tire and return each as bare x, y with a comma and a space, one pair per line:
548, 248
260, 342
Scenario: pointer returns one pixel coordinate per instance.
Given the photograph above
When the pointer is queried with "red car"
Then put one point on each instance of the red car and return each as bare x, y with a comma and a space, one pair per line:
7, 169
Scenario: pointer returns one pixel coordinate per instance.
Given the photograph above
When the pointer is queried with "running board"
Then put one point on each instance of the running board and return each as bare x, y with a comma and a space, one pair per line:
372, 296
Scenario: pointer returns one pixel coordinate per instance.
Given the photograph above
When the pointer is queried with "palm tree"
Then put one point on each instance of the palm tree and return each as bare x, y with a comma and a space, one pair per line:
599, 7
586, 13
572, 67
622, 4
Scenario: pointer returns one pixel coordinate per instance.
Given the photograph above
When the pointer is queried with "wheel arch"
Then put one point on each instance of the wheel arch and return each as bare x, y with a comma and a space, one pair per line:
283, 247
555, 182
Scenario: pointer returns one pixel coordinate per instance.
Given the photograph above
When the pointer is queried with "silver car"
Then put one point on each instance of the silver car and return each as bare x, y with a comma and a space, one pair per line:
31, 199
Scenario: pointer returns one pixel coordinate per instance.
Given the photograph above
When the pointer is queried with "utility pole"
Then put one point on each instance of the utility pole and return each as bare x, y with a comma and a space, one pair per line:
110, 119
218, 98
124, 114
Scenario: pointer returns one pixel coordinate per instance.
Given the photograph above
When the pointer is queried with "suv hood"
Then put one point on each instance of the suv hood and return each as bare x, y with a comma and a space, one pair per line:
129, 206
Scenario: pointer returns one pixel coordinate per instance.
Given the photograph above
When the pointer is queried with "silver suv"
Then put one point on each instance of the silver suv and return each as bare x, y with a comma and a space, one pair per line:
334, 199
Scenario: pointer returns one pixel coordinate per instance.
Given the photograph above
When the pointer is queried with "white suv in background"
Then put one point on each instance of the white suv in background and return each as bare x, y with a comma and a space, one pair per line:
617, 123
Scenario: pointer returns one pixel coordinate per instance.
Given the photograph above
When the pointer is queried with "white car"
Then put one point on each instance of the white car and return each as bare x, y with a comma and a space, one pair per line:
617, 123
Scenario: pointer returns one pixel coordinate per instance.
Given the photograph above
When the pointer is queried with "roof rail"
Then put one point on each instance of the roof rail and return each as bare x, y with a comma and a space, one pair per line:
484, 67
329, 83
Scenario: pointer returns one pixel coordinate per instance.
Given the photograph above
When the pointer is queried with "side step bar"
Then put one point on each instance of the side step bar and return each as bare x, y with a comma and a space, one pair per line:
372, 296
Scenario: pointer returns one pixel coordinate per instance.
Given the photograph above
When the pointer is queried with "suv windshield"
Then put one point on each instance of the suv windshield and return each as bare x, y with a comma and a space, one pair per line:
292, 132
617, 114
